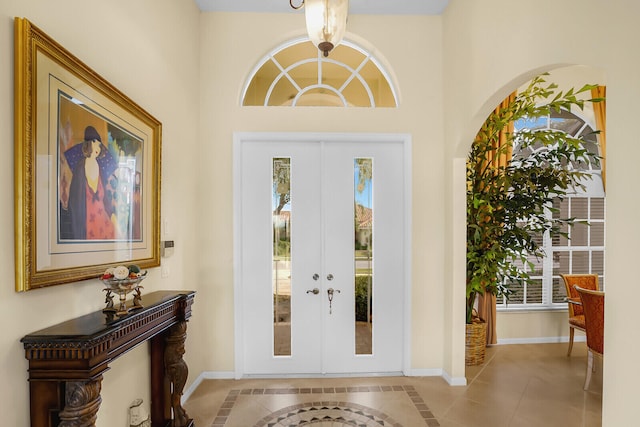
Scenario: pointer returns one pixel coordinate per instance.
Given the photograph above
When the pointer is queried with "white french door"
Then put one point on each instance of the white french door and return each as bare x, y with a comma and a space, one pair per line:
321, 257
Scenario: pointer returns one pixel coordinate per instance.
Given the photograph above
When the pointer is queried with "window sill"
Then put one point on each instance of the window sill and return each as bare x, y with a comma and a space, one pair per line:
521, 309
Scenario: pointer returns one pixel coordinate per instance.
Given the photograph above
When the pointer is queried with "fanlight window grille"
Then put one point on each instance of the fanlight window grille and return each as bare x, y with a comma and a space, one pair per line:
296, 74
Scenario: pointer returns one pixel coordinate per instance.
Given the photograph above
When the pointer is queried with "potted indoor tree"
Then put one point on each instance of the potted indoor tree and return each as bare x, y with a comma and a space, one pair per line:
508, 203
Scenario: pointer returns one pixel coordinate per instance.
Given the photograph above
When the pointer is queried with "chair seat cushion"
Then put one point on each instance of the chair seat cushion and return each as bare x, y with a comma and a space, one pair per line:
577, 321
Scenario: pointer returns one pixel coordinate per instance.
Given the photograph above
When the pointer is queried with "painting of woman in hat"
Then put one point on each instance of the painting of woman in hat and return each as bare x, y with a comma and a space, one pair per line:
90, 205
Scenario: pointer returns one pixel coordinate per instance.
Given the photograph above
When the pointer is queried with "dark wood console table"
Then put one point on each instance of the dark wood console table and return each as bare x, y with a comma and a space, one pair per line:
66, 361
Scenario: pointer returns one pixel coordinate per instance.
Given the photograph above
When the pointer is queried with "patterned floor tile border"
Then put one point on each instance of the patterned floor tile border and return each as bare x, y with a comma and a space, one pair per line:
326, 412
344, 413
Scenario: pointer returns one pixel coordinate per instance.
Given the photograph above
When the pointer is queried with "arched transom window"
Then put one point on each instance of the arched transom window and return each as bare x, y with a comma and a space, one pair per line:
296, 74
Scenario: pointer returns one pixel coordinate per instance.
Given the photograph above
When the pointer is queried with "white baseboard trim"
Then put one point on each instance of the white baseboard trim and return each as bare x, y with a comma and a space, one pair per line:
224, 375
541, 340
208, 375
312, 376
424, 372
454, 381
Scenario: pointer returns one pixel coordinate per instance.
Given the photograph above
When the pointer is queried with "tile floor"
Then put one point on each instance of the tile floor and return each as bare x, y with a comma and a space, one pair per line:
518, 385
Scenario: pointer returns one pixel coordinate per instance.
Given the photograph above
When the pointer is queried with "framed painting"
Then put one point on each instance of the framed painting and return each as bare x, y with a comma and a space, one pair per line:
87, 169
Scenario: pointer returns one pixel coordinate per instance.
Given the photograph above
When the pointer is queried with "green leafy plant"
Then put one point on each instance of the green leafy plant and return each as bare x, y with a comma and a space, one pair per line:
362, 295
508, 205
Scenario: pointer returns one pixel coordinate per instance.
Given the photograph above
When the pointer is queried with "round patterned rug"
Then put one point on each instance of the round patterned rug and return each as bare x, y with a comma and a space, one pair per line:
326, 407
327, 414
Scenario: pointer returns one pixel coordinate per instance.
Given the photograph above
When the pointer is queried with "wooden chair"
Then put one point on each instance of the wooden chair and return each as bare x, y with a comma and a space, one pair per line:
576, 316
593, 305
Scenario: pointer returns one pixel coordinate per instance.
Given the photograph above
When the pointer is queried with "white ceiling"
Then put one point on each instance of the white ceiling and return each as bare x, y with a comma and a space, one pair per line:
372, 7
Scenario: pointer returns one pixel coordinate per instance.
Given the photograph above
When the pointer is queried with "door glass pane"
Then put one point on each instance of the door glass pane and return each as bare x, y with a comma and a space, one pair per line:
281, 260
363, 257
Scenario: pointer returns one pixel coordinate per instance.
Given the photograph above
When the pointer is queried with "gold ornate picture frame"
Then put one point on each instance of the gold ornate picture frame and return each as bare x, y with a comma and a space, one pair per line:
87, 169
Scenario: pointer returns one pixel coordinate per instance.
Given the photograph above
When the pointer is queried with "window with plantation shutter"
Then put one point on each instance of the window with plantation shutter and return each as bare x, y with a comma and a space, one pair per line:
583, 250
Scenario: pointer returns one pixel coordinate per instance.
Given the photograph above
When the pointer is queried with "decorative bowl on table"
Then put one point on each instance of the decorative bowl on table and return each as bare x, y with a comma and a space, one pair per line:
121, 281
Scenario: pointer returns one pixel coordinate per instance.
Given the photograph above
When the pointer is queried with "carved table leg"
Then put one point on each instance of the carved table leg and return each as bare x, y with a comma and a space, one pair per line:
82, 401
176, 371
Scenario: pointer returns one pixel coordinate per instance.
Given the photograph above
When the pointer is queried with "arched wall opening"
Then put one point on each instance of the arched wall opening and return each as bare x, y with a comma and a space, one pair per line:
524, 326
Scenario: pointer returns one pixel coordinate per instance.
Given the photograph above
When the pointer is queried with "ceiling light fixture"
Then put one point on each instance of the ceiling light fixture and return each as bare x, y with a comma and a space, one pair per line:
326, 21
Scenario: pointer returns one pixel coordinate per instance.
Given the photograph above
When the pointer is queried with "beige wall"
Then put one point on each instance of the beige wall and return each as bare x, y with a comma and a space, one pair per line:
136, 47
450, 74
224, 69
482, 66
222, 82
533, 326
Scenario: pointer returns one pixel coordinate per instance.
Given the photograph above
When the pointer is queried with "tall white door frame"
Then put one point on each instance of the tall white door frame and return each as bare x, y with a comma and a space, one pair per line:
239, 139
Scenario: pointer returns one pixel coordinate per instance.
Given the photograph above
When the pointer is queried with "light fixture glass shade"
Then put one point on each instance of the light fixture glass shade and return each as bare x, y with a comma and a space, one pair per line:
326, 22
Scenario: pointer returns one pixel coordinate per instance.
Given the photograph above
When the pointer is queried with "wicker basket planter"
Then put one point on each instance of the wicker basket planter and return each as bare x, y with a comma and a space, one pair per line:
476, 342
